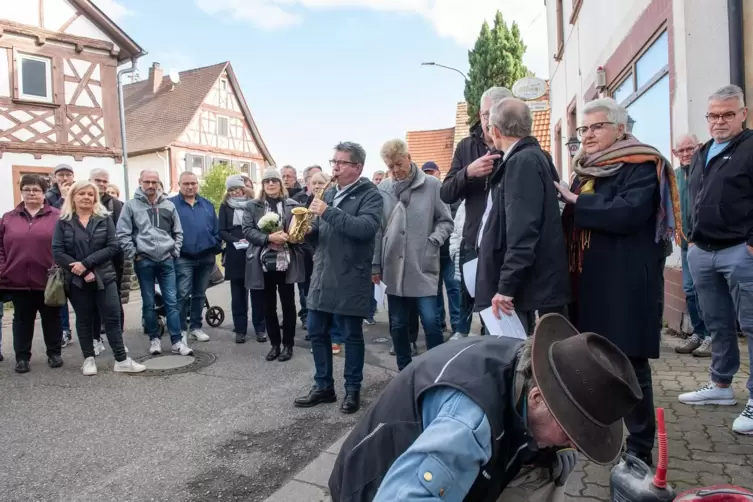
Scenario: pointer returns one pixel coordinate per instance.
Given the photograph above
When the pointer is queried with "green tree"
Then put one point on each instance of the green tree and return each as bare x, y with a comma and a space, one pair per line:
496, 60
213, 185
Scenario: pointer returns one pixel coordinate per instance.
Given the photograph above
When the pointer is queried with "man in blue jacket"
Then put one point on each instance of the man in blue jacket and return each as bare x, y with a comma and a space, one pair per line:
201, 243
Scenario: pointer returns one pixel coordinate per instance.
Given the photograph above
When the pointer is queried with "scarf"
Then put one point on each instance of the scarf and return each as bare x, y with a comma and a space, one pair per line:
400, 188
608, 163
238, 205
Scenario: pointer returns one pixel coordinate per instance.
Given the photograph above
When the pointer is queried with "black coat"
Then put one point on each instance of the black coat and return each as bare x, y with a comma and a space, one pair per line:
93, 246
523, 253
457, 186
235, 259
619, 293
344, 241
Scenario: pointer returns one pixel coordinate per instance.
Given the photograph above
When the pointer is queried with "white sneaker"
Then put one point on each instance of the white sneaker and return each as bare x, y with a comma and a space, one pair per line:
744, 423
99, 347
155, 347
184, 337
458, 336
128, 366
710, 394
199, 335
182, 349
90, 367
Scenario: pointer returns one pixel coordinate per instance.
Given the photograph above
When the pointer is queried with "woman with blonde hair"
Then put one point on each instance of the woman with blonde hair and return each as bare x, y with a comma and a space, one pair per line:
113, 190
84, 245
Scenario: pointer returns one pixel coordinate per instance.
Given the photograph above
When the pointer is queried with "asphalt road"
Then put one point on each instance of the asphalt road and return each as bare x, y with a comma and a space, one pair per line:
227, 431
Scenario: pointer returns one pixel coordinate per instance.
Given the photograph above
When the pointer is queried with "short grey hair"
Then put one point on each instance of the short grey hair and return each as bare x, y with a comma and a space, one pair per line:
98, 171
496, 94
691, 137
512, 117
307, 171
615, 112
187, 173
356, 151
729, 92
292, 168
376, 173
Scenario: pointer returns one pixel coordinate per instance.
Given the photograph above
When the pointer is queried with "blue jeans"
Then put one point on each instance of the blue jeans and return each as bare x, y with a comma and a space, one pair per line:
447, 276
150, 273
724, 284
691, 299
319, 326
400, 310
239, 306
65, 319
334, 332
373, 307
192, 277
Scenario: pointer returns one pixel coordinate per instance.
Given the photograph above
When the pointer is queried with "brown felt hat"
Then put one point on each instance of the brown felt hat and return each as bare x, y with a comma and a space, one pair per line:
588, 385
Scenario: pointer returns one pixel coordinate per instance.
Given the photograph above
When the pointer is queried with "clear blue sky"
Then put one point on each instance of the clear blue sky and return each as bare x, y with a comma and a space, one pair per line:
315, 72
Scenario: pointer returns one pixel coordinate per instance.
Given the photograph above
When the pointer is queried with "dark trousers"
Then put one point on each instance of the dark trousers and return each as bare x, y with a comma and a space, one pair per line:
528, 317
239, 306
641, 421
90, 306
303, 292
26, 304
100, 322
466, 300
351, 329
274, 282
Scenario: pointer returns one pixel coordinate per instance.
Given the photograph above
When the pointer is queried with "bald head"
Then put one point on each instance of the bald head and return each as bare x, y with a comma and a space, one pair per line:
512, 118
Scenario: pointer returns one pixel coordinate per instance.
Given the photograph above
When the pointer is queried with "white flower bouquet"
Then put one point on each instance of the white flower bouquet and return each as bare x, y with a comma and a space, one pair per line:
269, 223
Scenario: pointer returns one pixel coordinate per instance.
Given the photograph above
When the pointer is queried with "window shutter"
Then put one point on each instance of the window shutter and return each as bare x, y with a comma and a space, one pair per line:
208, 163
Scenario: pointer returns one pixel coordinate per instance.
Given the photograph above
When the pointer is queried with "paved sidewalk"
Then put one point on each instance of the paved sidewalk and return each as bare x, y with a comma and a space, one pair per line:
703, 450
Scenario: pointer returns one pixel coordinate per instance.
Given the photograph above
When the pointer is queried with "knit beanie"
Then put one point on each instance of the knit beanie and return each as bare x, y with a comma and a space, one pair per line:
271, 173
234, 181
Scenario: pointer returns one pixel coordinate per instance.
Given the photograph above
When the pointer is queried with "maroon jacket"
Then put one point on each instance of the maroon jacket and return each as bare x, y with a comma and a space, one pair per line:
26, 248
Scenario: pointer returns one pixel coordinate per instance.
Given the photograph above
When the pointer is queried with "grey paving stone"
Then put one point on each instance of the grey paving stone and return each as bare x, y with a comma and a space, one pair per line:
295, 491
318, 471
335, 448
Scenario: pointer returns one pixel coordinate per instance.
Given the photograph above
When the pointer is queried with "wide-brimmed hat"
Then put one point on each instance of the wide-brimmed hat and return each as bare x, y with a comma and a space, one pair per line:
588, 385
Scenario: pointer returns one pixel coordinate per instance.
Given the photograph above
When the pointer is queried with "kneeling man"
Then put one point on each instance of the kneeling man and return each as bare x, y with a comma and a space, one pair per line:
486, 419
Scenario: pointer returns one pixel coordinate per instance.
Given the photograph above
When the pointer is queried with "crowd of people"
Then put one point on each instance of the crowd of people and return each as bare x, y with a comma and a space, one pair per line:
585, 257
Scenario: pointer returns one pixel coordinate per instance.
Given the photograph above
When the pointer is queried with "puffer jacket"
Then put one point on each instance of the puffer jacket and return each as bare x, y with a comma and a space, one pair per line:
94, 246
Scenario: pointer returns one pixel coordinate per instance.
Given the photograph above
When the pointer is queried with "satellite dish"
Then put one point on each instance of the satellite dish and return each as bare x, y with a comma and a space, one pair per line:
174, 77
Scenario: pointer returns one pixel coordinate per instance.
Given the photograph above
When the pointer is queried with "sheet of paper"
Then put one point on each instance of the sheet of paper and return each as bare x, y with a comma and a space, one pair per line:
469, 276
509, 325
240, 245
379, 293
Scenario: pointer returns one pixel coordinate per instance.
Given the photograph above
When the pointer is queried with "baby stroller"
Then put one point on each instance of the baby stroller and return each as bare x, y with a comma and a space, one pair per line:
214, 316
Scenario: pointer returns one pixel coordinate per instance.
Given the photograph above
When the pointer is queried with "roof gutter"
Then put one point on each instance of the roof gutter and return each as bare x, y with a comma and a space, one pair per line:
736, 43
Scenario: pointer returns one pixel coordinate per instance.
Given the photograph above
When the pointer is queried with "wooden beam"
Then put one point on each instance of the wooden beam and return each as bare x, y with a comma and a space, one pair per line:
214, 149
69, 22
50, 50
58, 149
41, 13
30, 31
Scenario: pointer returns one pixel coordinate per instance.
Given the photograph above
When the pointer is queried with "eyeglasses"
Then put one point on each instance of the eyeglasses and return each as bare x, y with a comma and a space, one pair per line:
146, 182
31, 191
270, 180
687, 149
726, 117
334, 163
596, 128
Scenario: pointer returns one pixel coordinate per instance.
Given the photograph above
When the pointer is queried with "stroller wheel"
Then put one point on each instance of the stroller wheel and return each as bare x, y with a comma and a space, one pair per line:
215, 316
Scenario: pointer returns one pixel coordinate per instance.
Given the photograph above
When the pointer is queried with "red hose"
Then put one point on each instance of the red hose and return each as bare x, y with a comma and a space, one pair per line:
660, 478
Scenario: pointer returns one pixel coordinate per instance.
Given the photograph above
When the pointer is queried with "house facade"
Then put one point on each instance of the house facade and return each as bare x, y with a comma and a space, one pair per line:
191, 123
58, 91
661, 59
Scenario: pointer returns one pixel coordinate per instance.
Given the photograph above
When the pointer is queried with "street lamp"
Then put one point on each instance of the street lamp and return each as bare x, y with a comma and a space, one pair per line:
573, 144
432, 63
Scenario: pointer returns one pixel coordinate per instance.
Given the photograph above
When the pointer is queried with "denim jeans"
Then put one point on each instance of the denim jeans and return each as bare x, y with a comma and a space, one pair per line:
150, 273
335, 334
373, 304
65, 318
303, 291
351, 328
399, 311
724, 284
447, 277
239, 307
192, 277
691, 299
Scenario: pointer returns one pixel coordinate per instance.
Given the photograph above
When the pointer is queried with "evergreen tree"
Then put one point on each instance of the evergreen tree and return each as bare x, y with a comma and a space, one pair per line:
496, 60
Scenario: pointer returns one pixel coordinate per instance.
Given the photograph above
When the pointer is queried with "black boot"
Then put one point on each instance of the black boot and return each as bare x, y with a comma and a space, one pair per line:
1, 357
240, 338
352, 402
286, 354
55, 361
261, 337
274, 353
22, 366
647, 458
316, 396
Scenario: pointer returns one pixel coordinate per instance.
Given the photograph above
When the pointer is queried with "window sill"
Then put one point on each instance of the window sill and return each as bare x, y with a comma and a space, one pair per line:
32, 102
577, 4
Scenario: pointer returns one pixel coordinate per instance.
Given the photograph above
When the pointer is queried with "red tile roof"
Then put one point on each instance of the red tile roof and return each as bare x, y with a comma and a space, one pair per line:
436, 145
541, 122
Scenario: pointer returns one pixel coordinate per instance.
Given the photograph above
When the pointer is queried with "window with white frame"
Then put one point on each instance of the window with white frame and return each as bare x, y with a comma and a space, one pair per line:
222, 126
34, 75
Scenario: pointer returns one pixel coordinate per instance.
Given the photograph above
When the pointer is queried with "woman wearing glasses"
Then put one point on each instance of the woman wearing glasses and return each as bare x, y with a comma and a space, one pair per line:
25, 258
622, 209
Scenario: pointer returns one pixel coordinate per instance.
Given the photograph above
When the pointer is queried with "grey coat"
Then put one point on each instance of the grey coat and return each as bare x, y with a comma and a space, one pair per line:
344, 240
407, 245
258, 240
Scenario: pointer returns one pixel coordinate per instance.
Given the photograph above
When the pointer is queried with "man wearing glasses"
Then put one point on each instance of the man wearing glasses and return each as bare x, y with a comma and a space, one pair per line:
341, 289
720, 253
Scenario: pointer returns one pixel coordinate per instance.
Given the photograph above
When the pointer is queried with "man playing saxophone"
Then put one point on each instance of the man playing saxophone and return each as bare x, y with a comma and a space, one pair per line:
349, 215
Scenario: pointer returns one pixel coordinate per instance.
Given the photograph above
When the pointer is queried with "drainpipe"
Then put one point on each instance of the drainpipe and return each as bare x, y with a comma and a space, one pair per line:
736, 43
121, 112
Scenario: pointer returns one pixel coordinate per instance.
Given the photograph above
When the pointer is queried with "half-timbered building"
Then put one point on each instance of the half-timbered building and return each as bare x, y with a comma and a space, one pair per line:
190, 122
58, 91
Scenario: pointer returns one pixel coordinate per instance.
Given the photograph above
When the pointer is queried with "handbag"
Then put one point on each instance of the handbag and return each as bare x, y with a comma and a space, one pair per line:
54, 291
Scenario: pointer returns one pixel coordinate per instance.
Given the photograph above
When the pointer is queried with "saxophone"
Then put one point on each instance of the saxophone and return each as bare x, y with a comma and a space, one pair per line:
302, 218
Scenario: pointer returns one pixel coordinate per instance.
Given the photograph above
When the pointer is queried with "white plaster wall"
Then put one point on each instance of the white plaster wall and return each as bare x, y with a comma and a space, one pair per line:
4, 73
148, 161
180, 156
26, 12
81, 170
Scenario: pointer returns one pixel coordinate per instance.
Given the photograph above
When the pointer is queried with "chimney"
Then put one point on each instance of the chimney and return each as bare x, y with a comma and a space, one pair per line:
155, 77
